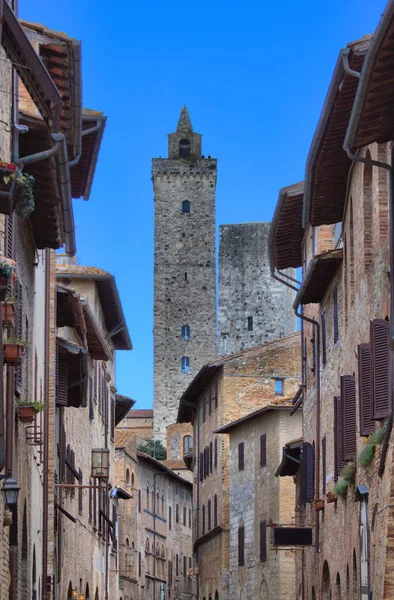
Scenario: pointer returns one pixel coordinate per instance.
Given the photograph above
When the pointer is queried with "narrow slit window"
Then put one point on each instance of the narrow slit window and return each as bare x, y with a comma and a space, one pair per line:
185, 276
185, 364
250, 323
323, 338
279, 387
335, 315
186, 206
184, 148
186, 332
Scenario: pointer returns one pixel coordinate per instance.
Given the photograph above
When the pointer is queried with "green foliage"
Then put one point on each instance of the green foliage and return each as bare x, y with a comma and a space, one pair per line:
38, 406
366, 456
154, 448
341, 488
17, 341
24, 195
349, 472
378, 436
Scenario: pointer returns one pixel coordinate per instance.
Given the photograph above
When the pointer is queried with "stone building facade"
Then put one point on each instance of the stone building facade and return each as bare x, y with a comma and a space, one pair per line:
253, 307
155, 533
140, 421
223, 391
347, 399
257, 499
184, 269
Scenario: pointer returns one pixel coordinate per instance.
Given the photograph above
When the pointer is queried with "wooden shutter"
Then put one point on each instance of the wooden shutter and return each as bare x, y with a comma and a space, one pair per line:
177, 513
62, 383
241, 546
201, 466
263, 541
215, 462
203, 519
91, 409
335, 316
241, 456
380, 368
324, 463
367, 424
338, 445
263, 450
9, 237
184, 515
307, 491
349, 425
210, 457
169, 518
215, 511
323, 337
19, 335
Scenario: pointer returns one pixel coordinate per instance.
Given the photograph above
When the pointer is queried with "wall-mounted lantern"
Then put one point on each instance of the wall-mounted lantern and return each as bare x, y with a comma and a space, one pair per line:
74, 595
11, 492
100, 463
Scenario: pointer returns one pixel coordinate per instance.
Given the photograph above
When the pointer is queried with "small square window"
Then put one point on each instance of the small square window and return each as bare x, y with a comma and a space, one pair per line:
279, 387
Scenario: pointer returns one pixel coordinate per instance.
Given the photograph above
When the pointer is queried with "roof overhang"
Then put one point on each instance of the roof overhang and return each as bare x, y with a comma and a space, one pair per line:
82, 174
189, 401
122, 406
30, 67
121, 494
228, 428
319, 275
76, 358
69, 311
372, 117
286, 232
328, 165
98, 347
290, 462
157, 464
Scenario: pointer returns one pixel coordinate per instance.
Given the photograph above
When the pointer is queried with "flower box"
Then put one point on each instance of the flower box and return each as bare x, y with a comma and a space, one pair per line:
13, 353
319, 505
9, 174
8, 315
331, 497
26, 414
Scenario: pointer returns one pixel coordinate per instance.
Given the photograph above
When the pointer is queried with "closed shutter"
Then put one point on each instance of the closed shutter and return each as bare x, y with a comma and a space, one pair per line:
338, 440
349, 428
241, 546
323, 338
241, 456
112, 418
90, 501
324, 463
307, 491
367, 424
263, 541
215, 462
9, 237
62, 383
380, 368
91, 409
335, 316
215, 511
169, 518
80, 495
201, 466
210, 457
263, 450
19, 335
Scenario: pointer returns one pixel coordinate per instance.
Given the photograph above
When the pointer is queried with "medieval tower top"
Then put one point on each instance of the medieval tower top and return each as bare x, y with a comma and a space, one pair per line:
184, 269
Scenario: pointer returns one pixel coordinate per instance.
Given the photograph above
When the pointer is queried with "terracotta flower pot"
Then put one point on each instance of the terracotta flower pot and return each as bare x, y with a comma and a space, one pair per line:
26, 414
330, 497
319, 505
8, 315
13, 353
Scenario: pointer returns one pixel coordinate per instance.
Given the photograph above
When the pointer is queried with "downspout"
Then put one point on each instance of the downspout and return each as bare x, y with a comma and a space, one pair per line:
106, 590
45, 495
198, 498
84, 132
2, 440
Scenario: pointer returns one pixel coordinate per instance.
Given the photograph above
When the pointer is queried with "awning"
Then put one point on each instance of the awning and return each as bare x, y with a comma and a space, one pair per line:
122, 406
290, 463
320, 272
30, 67
72, 374
98, 347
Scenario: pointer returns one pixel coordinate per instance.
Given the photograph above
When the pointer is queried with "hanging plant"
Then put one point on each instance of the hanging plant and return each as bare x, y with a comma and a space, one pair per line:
7, 266
24, 195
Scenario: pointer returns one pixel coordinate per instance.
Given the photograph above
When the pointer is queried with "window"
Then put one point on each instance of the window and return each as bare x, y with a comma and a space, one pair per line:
367, 423
210, 457
324, 463
241, 463
215, 511
335, 315
279, 387
263, 541
190, 517
215, 462
186, 206
185, 364
147, 498
127, 478
323, 338
184, 566
139, 564
187, 444
348, 399
263, 450
186, 332
209, 515
139, 500
184, 515
203, 519
250, 323
241, 546
177, 565
184, 148
185, 276
201, 466
177, 513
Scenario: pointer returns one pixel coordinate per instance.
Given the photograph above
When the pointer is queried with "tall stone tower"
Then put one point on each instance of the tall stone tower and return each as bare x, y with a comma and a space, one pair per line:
253, 307
185, 280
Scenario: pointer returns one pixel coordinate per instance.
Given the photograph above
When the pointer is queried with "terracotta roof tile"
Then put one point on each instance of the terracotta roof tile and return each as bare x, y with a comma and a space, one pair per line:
143, 413
174, 464
122, 436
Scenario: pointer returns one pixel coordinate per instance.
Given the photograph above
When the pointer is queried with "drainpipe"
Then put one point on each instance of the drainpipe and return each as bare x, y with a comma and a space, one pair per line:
84, 132
388, 167
45, 495
2, 445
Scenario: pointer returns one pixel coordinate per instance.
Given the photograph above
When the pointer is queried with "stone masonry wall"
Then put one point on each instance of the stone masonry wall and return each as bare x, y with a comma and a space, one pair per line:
185, 279
254, 308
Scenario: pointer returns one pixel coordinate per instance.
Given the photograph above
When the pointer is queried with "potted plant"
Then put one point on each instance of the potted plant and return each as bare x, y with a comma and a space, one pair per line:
319, 504
7, 266
24, 195
330, 497
13, 351
27, 410
8, 314
9, 173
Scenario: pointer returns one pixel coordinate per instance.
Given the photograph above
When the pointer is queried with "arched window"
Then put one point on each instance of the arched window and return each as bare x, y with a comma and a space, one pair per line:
147, 498
157, 549
338, 588
355, 580
187, 444
185, 364
127, 478
186, 206
132, 480
186, 332
184, 148
326, 592
215, 511
367, 207
216, 595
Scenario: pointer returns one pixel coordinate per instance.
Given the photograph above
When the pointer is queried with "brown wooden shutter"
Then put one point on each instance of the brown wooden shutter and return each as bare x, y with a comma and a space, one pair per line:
307, 491
263, 450
338, 445
9, 237
210, 457
215, 511
215, 462
91, 408
19, 335
349, 425
241, 546
323, 337
241, 456
335, 316
380, 368
367, 424
263, 541
324, 463
62, 383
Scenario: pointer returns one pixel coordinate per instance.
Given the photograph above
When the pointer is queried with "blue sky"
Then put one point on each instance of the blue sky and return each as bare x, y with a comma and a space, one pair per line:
253, 75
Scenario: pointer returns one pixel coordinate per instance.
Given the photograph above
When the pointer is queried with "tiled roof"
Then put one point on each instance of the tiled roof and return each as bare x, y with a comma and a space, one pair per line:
286, 405
174, 464
122, 436
143, 413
